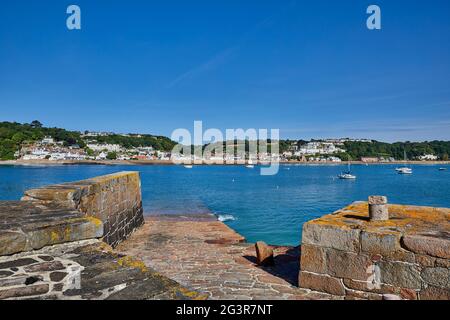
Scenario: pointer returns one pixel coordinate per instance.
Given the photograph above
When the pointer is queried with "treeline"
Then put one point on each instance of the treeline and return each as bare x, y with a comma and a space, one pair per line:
133, 141
13, 135
413, 150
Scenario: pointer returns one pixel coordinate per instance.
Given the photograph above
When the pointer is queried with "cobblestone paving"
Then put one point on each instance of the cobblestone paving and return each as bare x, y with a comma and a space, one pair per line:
86, 270
203, 254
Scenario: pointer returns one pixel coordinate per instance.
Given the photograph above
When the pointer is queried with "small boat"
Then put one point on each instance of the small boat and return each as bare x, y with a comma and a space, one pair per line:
347, 175
250, 164
442, 169
405, 169
188, 166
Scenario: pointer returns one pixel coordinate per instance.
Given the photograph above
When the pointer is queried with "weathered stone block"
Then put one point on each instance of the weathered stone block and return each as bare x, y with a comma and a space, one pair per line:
368, 286
434, 293
408, 294
24, 291
400, 274
428, 244
12, 242
425, 261
361, 295
384, 243
264, 254
336, 237
444, 263
45, 266
16, 263
347, 265
313, 259
321, 283
439, 277
97, 197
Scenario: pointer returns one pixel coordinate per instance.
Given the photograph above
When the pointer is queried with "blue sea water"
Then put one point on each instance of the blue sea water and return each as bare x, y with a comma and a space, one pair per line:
268, 208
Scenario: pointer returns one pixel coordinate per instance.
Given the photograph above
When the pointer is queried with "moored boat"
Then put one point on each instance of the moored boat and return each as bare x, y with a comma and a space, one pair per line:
347, 175
405, 169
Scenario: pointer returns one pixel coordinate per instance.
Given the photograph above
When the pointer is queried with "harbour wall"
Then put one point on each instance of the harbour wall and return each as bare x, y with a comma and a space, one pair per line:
406, 256
114, 199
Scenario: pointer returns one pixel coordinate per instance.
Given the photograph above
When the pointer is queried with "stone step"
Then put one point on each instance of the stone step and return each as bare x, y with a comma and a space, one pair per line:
31, 225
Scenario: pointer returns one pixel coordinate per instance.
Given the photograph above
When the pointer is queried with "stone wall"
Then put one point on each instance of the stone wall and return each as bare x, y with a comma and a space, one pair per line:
114, 199
408, 256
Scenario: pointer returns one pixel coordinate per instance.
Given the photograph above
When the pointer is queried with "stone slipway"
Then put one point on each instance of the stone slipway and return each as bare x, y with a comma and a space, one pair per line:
204, 254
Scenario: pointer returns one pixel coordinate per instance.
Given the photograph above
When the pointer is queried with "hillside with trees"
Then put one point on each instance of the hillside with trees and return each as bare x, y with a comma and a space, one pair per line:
396, 150
13, 135
134, 140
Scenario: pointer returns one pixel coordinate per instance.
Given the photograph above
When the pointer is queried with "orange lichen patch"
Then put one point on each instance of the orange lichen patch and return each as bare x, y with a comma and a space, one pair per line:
403, 219
95, 221
132, 263
54, 236
67, 233
193, 294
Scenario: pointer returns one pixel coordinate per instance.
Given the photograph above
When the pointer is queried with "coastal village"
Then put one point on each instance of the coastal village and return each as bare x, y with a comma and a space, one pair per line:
327, 150
50, 149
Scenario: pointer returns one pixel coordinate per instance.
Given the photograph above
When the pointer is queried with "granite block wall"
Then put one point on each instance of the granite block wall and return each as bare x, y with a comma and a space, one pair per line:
114, 199
406, 257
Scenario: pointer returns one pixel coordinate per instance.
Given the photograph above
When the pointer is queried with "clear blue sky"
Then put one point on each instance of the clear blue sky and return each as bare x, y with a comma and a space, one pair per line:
309, 68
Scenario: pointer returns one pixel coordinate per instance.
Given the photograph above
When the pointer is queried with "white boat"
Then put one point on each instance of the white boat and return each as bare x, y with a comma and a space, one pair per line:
347, 175
442, 169
188, 166
250, 164
405, 169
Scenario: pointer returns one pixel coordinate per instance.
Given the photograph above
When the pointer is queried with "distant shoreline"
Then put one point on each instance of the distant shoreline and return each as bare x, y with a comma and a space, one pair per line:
170, 163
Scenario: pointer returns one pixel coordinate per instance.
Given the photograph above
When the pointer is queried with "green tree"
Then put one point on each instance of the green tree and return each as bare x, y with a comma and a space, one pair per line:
18, 137
89, 152
36, 124
111, 155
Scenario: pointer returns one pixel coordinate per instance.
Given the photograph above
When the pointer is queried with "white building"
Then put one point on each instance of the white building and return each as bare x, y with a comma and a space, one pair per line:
48, 140
316, 147
36, 154
428, 157
102, 147
101, 156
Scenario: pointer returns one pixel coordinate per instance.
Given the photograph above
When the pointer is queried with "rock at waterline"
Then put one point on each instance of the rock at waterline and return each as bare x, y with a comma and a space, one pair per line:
264, 254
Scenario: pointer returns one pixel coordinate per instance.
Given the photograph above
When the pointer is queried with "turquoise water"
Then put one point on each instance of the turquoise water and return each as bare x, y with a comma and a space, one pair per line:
269, 208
